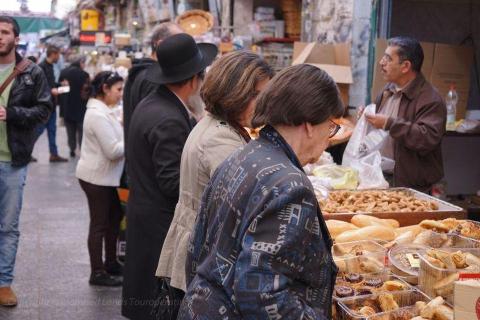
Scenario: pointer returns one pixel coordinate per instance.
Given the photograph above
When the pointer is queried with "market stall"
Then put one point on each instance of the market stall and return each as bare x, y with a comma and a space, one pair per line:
411, 272
401, 254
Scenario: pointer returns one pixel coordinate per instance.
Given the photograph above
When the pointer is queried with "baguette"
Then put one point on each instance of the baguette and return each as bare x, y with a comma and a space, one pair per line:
336, 227
405, 238
415, 229
394, 223
367, 233
363, 220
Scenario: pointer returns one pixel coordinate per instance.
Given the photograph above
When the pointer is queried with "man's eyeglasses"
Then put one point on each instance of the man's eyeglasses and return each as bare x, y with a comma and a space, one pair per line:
334, 128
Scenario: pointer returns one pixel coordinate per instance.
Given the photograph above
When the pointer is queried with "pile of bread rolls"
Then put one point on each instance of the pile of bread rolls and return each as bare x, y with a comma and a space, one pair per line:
363, 227
429, 232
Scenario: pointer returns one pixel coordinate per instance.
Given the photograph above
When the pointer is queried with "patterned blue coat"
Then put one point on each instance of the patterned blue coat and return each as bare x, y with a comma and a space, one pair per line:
260, 248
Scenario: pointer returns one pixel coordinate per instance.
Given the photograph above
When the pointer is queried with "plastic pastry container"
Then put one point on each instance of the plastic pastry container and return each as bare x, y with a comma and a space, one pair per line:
404, 261
347, 309
458, 241
472, 231
369, 284
434, 239
435, 281
365, 256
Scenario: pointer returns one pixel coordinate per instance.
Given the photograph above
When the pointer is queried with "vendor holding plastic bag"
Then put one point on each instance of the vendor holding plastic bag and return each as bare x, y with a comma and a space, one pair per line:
413, 113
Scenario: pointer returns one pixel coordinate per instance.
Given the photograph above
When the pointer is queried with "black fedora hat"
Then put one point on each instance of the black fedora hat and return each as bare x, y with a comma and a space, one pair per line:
180, 58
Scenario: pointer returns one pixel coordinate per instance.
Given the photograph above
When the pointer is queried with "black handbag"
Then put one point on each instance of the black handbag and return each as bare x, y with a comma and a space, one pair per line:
168, 300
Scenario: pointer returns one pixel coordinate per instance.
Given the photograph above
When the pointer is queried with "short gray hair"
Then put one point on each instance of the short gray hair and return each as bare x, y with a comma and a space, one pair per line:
77, 59
161, 32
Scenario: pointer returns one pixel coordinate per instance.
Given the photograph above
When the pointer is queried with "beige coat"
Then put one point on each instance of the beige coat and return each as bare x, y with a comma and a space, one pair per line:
209, 143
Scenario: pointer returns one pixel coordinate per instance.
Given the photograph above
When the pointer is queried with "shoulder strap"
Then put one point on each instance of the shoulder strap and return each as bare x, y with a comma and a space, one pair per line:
20, 67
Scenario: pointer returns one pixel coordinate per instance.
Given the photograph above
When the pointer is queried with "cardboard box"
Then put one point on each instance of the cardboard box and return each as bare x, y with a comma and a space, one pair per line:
122, 39
467, 300
443, 65
333, 58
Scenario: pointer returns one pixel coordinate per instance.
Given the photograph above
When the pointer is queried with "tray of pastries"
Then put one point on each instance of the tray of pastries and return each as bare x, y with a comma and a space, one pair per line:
400, 305
406, 205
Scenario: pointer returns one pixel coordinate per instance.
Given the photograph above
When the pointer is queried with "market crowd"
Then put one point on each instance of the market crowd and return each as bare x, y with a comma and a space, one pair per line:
219, 225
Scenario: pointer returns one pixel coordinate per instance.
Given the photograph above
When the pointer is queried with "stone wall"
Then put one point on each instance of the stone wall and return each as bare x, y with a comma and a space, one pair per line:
338, 21
330, 21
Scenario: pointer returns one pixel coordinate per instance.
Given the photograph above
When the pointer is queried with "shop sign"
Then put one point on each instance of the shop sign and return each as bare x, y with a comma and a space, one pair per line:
92, 38
90, 20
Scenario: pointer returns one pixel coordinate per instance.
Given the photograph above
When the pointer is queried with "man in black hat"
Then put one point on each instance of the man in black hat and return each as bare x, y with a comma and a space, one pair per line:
137, 86
158, 130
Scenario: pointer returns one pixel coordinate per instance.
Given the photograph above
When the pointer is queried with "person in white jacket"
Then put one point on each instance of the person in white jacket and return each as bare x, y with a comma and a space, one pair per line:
99, 171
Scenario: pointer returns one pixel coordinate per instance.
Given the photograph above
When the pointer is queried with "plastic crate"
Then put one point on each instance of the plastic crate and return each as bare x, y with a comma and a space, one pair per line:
405, 299
430, 276
373, 254
358, 288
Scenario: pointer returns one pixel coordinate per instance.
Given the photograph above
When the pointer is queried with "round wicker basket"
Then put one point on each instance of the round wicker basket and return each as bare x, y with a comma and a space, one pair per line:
195, 22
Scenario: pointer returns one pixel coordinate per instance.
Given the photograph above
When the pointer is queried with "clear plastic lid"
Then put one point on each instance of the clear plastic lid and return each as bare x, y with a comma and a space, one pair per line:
406, 258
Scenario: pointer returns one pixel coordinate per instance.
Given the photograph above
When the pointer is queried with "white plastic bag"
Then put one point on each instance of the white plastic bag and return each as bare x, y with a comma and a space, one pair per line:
337, 177
364, 139
326, 158
370, 172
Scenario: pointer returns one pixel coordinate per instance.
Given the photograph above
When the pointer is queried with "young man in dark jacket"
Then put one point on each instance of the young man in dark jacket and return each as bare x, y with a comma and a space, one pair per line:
25, 104
53, 54
414, 114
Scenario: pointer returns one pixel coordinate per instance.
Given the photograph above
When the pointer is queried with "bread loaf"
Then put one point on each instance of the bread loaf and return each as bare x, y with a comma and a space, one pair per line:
336, 227
415, 229
367, 233
363, 220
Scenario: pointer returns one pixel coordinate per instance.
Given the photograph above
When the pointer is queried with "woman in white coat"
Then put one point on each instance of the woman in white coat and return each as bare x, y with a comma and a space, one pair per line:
229, 93
98, 171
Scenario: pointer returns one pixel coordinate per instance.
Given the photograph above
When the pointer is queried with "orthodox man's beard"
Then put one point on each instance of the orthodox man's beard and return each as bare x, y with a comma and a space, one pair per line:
10, 46
196, 105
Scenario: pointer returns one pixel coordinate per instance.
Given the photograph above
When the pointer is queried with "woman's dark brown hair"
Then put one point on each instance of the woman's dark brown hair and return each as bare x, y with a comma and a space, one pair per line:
298, 94
230, 85
107, 78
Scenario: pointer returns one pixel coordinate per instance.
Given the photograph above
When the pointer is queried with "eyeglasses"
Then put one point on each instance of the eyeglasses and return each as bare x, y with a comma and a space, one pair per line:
334, 128
387, 59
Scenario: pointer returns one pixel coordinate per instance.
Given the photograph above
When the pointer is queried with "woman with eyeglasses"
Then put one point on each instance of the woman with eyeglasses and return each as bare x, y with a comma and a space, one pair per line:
98, 171
260, 248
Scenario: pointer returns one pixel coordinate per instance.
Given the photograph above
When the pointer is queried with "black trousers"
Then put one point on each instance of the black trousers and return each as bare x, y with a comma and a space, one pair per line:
74, 134
105, 216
